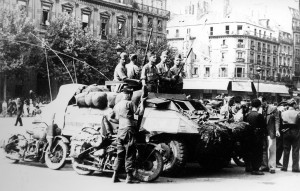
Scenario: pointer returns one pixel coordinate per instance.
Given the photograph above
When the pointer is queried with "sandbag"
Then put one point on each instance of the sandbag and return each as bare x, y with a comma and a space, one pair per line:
99, 100
95, 88
88, 99
80, 99
111, 98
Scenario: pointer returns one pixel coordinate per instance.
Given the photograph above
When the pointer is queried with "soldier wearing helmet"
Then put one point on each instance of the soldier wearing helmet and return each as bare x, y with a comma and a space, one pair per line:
291, 135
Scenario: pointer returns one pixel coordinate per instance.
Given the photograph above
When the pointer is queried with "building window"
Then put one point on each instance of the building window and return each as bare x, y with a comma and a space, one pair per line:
227, 29
67, 8
211, 30
140, 21
222, 56
259, 33
188, 31
167, 31
270, 35
223, 72
239, 72
85, 19
46, 13
150, 22
254, 32
264, 34
240, 54
224, 42
177, 33
103, 27
239, 29
207, 72
159, 25
195, 72
121, 25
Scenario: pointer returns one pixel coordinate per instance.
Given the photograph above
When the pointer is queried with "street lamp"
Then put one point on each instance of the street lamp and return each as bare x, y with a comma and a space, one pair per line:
258, 70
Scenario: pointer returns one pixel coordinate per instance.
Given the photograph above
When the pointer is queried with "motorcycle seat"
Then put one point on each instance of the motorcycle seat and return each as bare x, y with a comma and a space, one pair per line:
29, 132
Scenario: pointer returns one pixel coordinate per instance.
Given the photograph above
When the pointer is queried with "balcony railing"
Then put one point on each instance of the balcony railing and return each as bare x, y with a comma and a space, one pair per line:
258, 61
240, 59
264, 49
259, 49
240, 46
275, 52
252, 47
263, 63
140, 24
152, 10
296, 28
224, 46
268, 51
251, 60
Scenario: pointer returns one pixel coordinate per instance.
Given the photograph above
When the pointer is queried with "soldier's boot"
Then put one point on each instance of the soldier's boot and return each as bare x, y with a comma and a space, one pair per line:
115, 177
130, 179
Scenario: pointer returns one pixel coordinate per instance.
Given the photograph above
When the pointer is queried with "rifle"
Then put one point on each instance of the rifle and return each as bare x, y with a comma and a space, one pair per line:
147, 47
180, 70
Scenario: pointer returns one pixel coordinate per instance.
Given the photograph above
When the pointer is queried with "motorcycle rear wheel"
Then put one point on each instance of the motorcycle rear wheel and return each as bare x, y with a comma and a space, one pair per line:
79, 170
149, 170
12, 146
57, 158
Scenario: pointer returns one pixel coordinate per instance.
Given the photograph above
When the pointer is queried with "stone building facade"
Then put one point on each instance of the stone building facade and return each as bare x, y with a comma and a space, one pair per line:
127, 18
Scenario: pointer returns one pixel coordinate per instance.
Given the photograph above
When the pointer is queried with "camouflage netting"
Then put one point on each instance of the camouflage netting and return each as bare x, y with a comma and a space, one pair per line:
214, 146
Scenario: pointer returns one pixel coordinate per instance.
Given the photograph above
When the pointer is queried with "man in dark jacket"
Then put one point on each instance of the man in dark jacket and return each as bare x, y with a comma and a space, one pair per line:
272, 120
19, 112
254, 143
291, 136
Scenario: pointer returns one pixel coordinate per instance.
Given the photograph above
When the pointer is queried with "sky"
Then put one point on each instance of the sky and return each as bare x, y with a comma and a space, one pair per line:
177, 6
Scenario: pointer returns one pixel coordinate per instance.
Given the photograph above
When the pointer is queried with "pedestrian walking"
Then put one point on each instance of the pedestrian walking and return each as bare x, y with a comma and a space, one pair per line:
291, 136
126, 148
254, 143
279, 140
19, 112
272, 120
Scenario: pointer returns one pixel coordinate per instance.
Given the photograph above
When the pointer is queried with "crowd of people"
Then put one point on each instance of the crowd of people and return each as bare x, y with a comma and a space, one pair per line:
275, 131
22, 107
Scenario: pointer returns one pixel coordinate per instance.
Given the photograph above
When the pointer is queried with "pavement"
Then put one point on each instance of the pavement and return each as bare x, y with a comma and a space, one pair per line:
34, 176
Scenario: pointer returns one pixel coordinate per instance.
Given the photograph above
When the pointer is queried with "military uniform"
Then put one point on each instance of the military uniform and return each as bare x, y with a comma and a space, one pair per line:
291, 136
120, 72
178, 84
126, 148
151, 76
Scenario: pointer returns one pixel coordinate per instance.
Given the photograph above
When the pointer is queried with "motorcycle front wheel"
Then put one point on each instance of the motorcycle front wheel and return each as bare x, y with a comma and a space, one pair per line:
149, 169
56, 159
82, 171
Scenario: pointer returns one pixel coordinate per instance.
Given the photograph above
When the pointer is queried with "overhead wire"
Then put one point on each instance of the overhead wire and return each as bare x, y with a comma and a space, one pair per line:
84, 62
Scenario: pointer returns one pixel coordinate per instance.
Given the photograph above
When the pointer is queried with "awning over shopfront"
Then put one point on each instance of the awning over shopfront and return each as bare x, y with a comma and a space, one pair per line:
201, 84
272, 88
241, 86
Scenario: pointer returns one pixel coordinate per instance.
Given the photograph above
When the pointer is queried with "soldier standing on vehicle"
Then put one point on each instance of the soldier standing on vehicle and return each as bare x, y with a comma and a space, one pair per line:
272, 120
177, 74
291, 136
164, 74
133, 71
126, 148
254, 142
150, 74
120, 72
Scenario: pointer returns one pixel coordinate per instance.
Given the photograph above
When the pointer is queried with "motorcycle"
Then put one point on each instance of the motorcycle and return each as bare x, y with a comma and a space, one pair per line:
36, 148
90, 152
